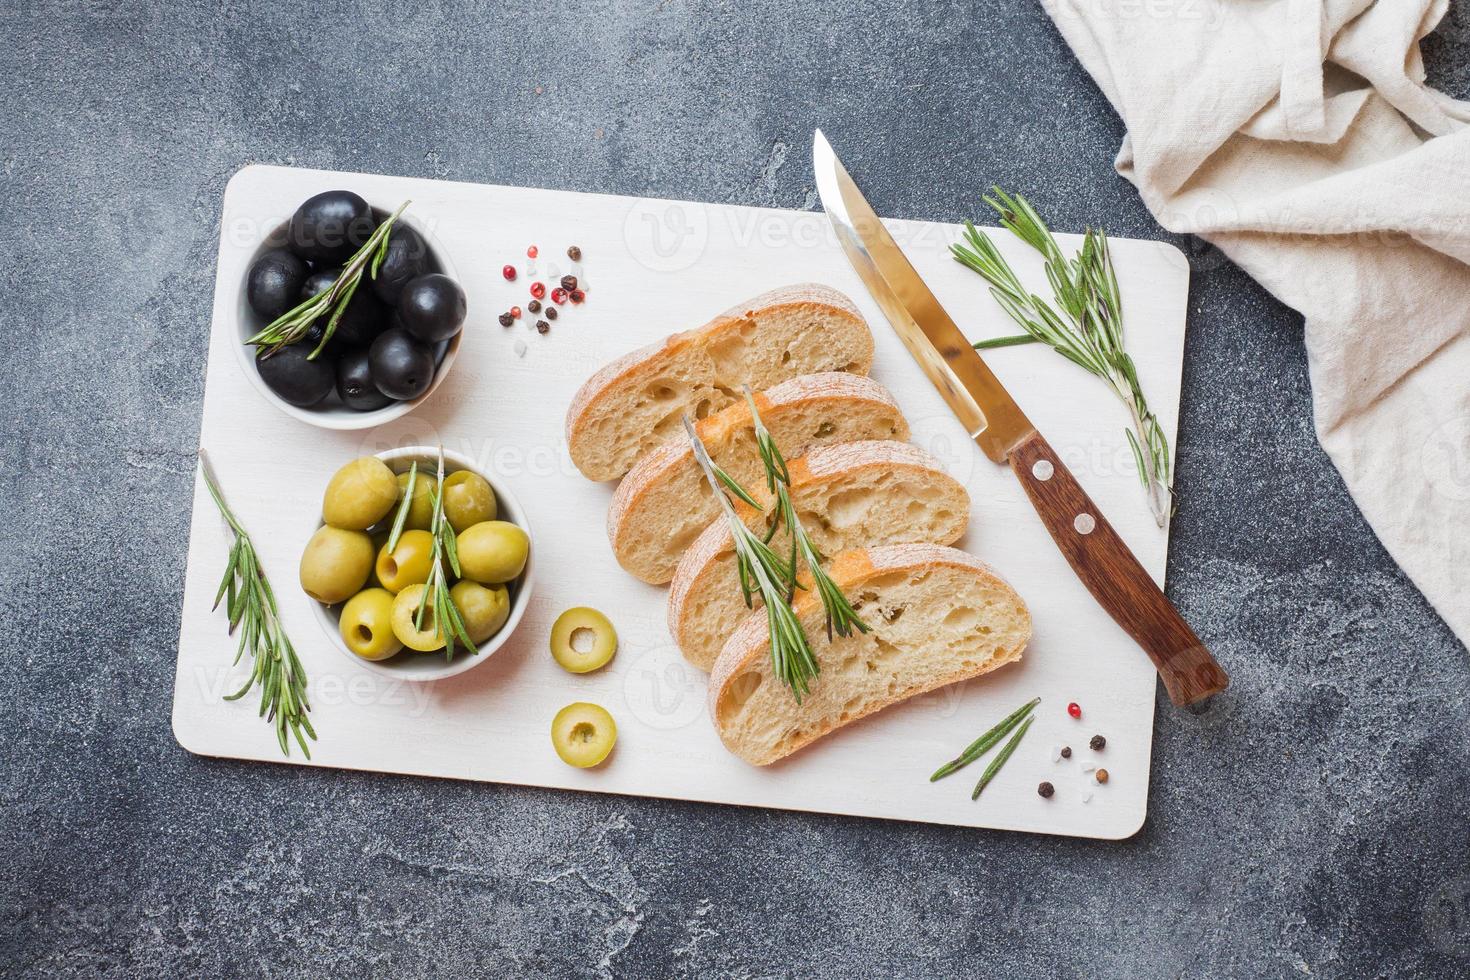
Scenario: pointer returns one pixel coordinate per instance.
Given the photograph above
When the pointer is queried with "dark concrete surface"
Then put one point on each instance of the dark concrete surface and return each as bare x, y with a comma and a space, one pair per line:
1313, 824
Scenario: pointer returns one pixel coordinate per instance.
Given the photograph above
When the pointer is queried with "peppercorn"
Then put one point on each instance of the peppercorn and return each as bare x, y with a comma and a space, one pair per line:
538, 290
1046, 790
506, 319
551, 313
1097, 743
574, 253
577, 295
509, 272
1102, 775
1066, 751
542, 326
534, 306
1074, 709
569, 283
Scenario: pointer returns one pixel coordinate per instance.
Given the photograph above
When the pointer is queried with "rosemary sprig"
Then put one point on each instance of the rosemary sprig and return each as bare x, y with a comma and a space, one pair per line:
765, 572
445, 550
292, 325
1085, 326
985, 742
842, 619
1000, 759
251, 607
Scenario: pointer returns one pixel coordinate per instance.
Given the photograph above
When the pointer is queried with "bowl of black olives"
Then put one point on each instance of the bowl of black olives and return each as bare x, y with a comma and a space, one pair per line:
396, 336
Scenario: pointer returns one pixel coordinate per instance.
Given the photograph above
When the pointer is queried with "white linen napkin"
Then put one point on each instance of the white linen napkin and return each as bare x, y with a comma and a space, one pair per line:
1300, 138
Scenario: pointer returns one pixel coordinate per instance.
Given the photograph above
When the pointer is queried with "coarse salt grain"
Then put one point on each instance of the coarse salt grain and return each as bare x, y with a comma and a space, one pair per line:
520, 348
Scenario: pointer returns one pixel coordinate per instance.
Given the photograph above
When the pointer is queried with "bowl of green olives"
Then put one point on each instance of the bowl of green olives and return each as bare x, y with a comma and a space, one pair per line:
396, 338
367, 598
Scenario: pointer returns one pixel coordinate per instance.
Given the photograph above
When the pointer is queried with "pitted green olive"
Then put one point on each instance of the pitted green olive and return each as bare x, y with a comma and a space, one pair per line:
583, 734
336, 564
360, 494
367, 625
468, 500
405, 610
484, 609
583, 639
409, 563
492, 552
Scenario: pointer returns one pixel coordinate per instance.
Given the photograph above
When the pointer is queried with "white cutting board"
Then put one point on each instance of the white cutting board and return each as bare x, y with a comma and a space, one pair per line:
654, 267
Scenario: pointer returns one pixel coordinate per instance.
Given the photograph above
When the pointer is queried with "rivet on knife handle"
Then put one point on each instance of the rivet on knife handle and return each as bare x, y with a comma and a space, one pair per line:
1113, 575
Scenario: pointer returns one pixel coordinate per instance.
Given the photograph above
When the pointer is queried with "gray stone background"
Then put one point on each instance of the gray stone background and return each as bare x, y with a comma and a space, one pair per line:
1313, 824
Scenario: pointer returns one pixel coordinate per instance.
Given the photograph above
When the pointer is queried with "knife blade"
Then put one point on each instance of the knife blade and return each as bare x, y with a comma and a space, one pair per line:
1001, 429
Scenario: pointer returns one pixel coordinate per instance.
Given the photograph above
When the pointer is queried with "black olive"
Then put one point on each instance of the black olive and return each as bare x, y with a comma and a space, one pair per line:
407, 258
355, 383
273, 285
402, 367
364, 317
331, 226
295, 379
432, 307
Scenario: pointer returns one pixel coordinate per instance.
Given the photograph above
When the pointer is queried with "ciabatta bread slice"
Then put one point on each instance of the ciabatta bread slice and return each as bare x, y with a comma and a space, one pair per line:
664, 502
938, 616
635, 403
851, 495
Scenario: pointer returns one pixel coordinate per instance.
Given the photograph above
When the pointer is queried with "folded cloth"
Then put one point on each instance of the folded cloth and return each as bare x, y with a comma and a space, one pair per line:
1300, 138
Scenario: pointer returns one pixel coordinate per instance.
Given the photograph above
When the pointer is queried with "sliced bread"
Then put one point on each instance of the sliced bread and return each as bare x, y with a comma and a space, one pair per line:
938, 616
664, 502
635, 403
851, 495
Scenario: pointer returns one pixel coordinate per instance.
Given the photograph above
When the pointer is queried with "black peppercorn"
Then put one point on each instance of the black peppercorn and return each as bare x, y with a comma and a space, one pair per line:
534, 306
1046, 789
1066, 751
569, 283
551, 313
506, 319
574, 253
542, 326
1097, 743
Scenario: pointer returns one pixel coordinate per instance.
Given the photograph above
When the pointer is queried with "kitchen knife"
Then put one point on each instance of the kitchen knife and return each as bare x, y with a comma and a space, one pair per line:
1095, 551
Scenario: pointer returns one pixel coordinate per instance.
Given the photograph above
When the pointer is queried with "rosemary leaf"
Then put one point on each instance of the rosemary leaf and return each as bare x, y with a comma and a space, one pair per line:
984, 743
404, 506
1000, 759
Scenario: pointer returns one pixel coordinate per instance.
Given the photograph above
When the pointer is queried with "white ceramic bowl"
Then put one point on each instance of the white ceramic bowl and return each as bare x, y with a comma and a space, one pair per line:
410, 666
332, 414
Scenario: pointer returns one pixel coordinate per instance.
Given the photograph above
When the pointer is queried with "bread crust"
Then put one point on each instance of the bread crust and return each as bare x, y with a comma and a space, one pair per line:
850, 570
822, 463
645, 476
607, 381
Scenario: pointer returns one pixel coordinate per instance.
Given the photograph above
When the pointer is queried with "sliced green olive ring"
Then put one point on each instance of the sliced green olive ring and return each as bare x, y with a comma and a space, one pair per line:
583, 734
583, 639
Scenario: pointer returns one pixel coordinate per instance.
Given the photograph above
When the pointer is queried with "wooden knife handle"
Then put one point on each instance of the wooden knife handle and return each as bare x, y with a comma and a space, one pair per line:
1114, 577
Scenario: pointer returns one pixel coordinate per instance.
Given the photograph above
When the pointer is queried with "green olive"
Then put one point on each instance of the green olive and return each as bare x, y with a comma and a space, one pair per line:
405, 610
409, 563
421, 511
468, 500
492, 552
483, 609
583, 639
336, 564
583, 734
360, 494
367, 625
